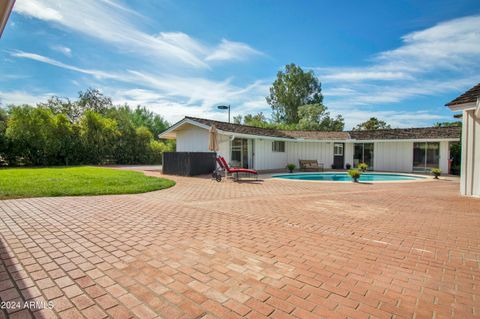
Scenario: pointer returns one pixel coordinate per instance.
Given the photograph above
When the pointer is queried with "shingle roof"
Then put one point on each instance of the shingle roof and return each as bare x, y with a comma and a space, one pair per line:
241, 129
408, 133
318, 135
390, 134
468, 97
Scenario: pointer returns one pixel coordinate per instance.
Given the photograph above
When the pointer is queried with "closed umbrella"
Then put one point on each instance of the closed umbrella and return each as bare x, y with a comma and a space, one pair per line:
212, 139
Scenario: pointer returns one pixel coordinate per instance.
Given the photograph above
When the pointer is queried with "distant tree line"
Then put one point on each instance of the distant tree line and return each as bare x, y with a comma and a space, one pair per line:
90, 130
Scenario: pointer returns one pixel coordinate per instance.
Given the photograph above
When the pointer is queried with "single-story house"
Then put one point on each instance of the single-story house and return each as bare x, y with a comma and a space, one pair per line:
469, 104
396, 150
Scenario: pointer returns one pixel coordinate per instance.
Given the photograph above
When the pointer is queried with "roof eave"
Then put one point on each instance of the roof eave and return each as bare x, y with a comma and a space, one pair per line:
5, 10
462, 106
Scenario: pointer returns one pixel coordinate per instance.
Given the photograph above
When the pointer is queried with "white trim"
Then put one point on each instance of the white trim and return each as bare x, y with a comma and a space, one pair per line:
463, 106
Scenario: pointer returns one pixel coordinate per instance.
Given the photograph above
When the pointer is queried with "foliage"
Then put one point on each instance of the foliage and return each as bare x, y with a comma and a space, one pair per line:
291, 167
314, 117
292, 89
436, 172
89, 130
73, 181
362, 166
372, 124
354, 174
448, 124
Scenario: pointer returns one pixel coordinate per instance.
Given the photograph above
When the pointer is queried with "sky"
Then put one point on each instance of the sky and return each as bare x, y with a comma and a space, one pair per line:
399, 61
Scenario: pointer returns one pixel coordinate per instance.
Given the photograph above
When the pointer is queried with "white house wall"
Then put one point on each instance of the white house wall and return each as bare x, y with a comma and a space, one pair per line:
192, 139
393, 156
320, 151
266, 159
470, 168
195, 139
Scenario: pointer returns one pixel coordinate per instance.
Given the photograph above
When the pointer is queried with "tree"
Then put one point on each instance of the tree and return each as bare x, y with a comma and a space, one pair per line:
258, 119
4, 145
314, 117
448, 124
154, 122
372, 124
292, 89
30, 134
94, 100
99, 135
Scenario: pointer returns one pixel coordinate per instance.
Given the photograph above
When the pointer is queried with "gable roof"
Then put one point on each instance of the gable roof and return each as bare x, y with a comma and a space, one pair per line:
470, 96
388, 134
240, 128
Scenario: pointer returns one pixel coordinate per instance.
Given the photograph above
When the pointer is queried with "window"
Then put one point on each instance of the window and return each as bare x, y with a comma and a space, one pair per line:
278, 146
363, 153
338, 149
426, 155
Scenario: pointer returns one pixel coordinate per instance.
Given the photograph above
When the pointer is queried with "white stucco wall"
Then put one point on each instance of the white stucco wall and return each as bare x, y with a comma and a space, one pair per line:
470, 168
320, 151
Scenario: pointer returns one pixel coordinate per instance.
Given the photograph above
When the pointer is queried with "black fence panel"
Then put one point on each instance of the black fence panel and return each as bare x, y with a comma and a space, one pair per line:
188, 163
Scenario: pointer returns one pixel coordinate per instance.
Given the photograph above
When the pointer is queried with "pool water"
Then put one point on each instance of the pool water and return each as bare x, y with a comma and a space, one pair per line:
344, 177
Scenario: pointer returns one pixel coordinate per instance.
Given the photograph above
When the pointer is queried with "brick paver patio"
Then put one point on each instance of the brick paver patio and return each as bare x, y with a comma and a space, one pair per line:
276, 249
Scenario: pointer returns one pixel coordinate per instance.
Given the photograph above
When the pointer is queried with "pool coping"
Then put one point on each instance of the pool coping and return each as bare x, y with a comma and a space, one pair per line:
423, 178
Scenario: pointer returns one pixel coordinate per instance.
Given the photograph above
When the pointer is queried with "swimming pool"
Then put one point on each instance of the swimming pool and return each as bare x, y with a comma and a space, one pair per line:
344, 177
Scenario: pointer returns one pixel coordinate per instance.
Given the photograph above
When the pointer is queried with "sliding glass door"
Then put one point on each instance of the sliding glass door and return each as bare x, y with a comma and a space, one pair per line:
426, 155
241, 153
363, 153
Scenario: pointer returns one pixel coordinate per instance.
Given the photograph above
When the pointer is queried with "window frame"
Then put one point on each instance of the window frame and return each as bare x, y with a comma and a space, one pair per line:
278, 146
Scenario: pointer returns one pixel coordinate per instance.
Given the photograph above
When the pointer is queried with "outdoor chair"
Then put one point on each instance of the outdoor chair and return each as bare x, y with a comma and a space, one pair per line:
231, 170
310, 165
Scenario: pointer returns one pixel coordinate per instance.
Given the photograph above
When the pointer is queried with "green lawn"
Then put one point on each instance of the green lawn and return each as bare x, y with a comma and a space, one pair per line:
74, 181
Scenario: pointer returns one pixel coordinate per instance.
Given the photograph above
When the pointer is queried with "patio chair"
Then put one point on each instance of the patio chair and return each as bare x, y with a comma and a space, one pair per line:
234, 171
310, 165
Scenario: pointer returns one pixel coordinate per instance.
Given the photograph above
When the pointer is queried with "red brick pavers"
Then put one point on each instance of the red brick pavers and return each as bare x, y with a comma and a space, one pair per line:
272, 249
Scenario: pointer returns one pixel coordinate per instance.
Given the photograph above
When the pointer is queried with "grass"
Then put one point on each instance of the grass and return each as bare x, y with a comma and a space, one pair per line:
75, 181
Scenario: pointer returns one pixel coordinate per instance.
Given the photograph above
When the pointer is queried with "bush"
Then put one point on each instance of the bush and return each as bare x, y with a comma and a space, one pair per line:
354, 174
362, 166
348, 166
436, 172
90, 130
291, 167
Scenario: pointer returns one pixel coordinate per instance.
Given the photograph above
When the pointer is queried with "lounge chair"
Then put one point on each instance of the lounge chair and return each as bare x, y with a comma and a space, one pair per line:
234, 171
310, 165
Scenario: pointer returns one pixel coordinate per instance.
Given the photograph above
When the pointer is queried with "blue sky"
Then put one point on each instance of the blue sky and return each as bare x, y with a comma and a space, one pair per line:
398, 60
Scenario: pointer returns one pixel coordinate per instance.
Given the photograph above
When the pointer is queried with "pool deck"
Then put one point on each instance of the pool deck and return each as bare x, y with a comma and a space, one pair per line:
253, 249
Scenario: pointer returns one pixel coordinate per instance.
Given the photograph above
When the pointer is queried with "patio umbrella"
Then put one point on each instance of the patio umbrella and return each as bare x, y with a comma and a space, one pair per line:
212, 139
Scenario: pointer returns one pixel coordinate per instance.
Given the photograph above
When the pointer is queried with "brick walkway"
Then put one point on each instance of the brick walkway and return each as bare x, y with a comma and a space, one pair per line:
275, 249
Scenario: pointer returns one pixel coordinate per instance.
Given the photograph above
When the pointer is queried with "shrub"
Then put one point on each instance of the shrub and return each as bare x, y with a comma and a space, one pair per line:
363, 167
436, 172
348, 166
291, 167
354, 174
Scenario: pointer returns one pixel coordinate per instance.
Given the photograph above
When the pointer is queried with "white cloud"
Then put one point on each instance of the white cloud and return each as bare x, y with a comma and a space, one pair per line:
397, 119
62, 49
229, 50
174, 93
22, 97
41, 58
37, 9
113, 23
